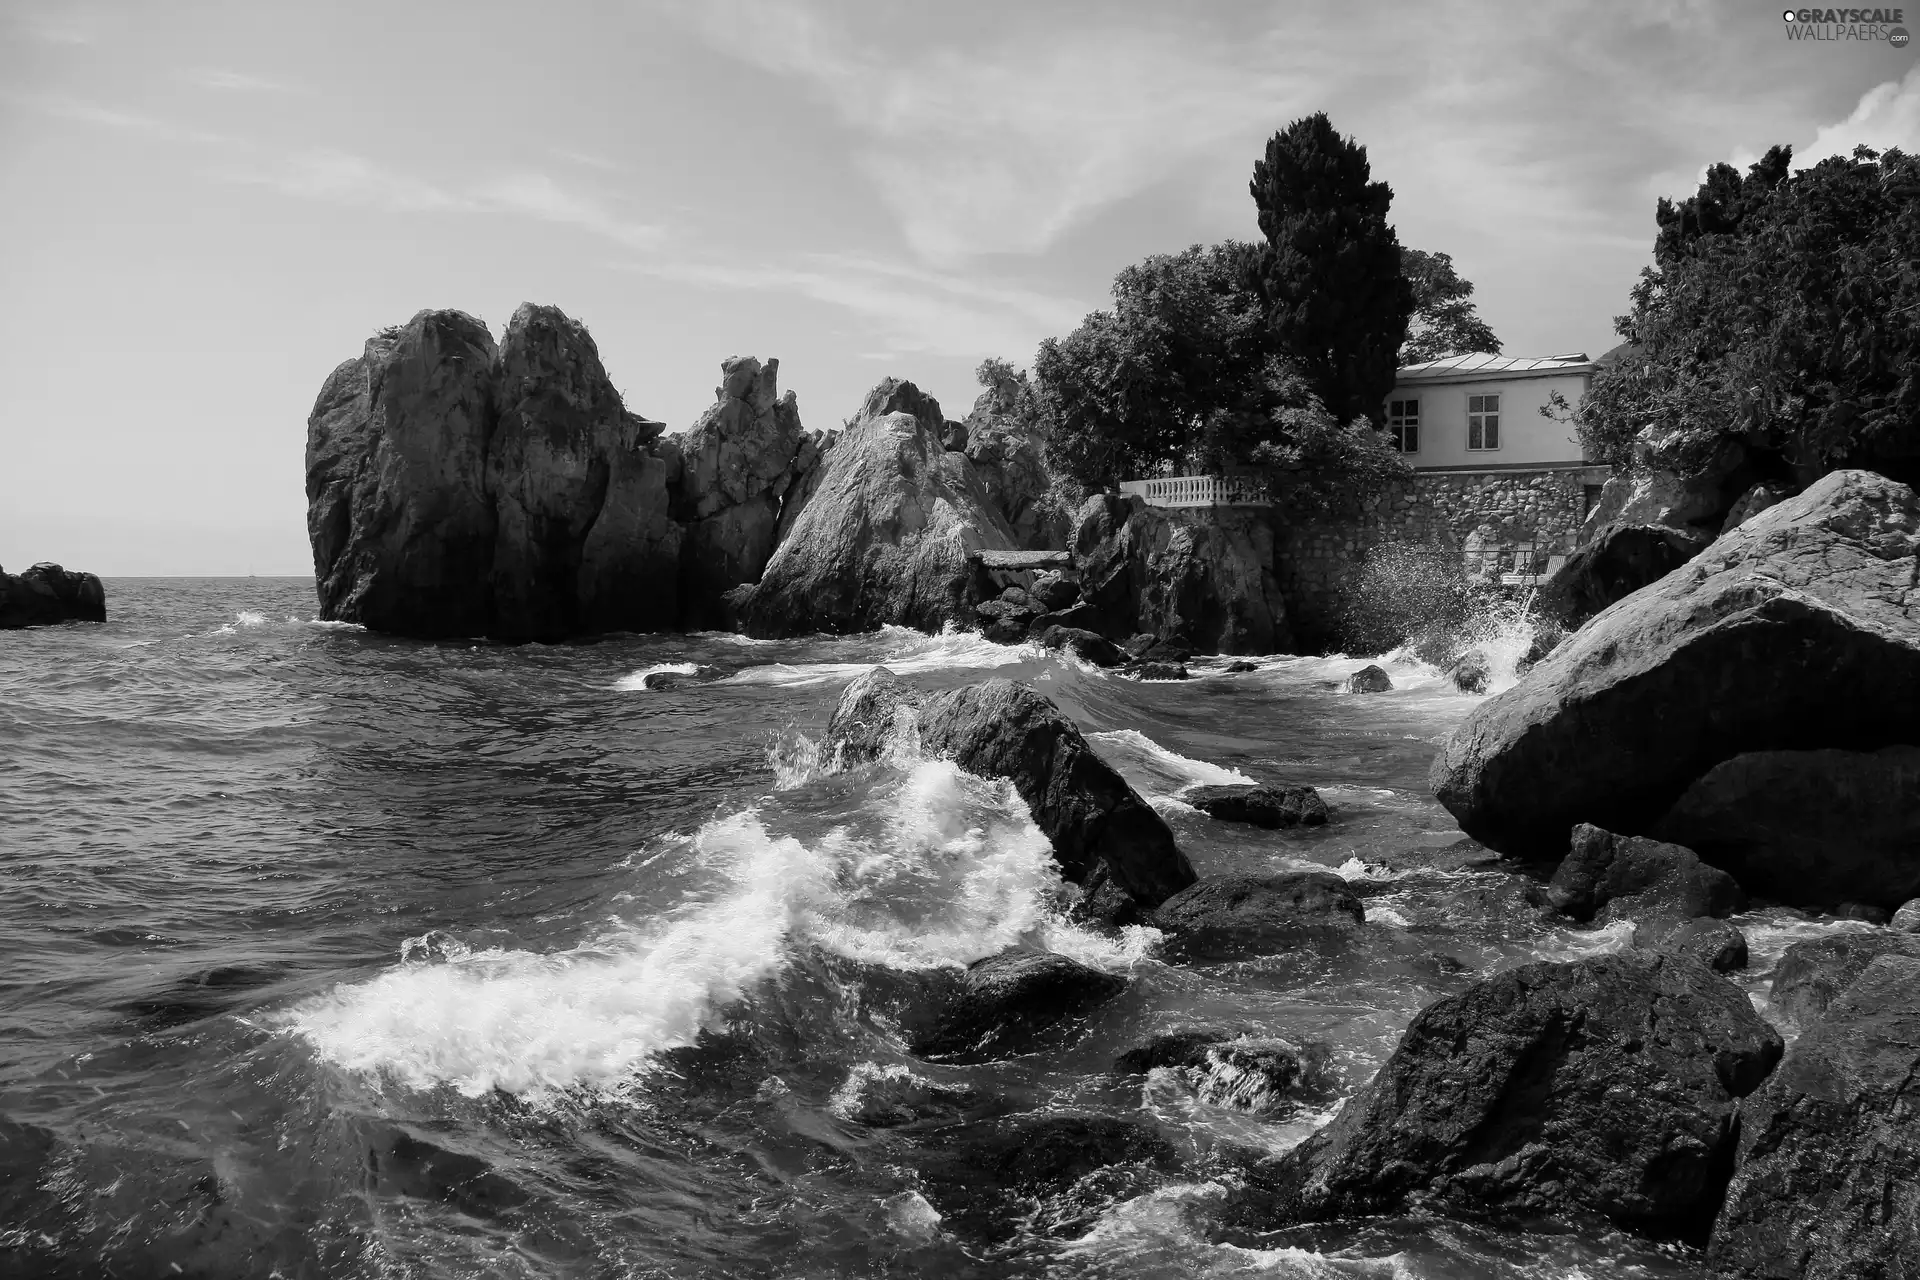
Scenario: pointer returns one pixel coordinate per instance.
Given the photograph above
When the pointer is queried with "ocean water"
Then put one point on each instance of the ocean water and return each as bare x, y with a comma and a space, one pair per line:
329, 954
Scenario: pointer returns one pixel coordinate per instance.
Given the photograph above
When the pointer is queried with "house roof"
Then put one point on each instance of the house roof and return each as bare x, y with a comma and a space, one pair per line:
1477, 364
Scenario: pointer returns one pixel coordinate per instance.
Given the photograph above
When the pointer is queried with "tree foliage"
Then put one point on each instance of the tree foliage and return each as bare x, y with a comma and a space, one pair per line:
1782, 310
1444, 321
1329, 272
1183, 373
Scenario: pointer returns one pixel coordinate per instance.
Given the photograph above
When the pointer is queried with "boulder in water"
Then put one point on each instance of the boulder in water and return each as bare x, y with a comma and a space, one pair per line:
1240, 667
1234, 1069
1828, 1179
1715, 943
1471, 672
1149, 570
1269, 807
1085, 645
1054, 591
1605, 1086
1369, 679
1227, 916
46, 594
1618, 561
1100, 828
1160, 671
1809, 827
1812, 973
1795, 632
1608, 877
879, 531
1004, 1001
1056, 1171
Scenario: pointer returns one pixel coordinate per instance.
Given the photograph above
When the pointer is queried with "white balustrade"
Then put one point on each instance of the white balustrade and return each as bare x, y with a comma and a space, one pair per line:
1199, 491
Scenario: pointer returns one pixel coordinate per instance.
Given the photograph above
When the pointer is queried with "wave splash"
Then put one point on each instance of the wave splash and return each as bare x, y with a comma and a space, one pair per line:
935, 868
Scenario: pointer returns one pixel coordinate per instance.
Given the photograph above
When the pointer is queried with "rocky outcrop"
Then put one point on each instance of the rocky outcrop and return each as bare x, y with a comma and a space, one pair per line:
1606, 877
1229, 916
1102, 832
1600, 1087
1002, 1002
47, 594
1014, 473
1812, 973
878, 531
1811, 827
1269, 807
459, 488
1672, 483
1828, 1181
1616, 562
1205, 584
737, 463
1799, 631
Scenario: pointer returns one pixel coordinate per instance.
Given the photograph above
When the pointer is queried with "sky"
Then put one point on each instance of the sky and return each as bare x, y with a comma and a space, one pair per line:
206, 206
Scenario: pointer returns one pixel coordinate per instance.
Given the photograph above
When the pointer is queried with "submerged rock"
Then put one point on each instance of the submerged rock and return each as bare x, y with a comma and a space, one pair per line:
1369, 679
1240, 667
1809, 827
1828, 1181
879, 531
1054, 1173
1797, 631
46, 594
1811, 974
1002, 1002
1228, 916
1604, 1086
1260, 806
1717, 944
1607, 877
1100, 828
886, 1097
1234, 1070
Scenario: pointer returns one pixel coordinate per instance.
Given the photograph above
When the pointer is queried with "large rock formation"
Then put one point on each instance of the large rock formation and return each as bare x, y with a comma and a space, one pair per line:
1828, 1181
456, 488
879, 530
1600, 1087
47, 594
1616, 562
1013, 470
738, 461
1204, 584
1104, 835
1798, 631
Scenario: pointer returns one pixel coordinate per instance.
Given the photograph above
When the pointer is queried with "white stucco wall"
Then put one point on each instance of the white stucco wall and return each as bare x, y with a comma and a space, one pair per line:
1525, 436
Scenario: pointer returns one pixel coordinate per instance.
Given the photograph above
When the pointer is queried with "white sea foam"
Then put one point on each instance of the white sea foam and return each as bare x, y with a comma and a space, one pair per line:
638, 680
1156, 772
905, 651
938, 869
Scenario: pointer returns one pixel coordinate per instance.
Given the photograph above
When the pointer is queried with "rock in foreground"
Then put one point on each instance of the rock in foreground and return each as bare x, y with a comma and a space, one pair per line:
1811, 974
47, 594
1828, 1181
1101, 830
1606, 877
1604, 1086
1798, 631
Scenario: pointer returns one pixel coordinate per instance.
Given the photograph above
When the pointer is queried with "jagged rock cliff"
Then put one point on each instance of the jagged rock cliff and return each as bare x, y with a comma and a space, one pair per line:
47, 594
878, 530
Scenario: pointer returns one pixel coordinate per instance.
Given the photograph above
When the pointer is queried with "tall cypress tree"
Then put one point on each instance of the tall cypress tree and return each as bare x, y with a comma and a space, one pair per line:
1329, 272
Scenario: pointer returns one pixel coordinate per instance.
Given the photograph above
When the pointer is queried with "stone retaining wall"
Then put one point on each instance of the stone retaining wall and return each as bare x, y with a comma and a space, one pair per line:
1512, 521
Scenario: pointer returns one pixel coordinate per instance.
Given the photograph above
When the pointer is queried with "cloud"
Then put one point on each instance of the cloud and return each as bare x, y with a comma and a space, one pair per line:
535, 195
1004, 149
1888, 116
231, 81
341, 177
911, 311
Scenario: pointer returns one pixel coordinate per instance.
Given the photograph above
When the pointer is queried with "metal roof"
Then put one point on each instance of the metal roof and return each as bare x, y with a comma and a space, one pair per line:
1478, 364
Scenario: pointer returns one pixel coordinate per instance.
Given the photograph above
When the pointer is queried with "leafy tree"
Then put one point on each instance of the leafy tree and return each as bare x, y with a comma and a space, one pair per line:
1329, 271
1444, 320
1782, 310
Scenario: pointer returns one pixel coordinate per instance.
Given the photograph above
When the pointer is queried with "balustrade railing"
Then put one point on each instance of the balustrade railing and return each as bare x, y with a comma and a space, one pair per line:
1199, 491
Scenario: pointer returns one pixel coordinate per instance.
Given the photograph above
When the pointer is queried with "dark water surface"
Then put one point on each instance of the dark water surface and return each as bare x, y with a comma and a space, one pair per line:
327, 954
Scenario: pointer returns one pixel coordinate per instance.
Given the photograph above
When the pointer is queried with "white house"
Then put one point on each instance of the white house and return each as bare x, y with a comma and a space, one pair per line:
1482, 413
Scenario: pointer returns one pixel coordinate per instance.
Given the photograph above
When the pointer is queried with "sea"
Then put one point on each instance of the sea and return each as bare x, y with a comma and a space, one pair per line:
325, 953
